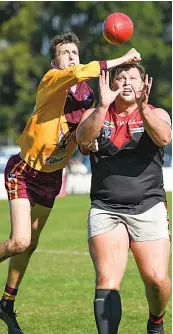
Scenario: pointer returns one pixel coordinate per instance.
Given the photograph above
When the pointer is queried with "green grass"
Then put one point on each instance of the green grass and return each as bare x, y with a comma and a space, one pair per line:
56, 295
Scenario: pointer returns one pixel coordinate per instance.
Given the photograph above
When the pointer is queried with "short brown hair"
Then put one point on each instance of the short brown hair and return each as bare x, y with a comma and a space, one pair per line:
116, 70
67, 37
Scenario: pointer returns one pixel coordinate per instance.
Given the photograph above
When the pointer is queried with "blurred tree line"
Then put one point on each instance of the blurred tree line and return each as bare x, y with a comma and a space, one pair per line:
27, 26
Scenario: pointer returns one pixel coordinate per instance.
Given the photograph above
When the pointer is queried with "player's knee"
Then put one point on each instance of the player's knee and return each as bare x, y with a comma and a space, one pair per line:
18, 245
157, 281
107, 282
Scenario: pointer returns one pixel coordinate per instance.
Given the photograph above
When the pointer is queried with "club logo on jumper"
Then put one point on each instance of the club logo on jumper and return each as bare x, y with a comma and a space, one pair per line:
106, 133
63, 140
11, 176
61, 148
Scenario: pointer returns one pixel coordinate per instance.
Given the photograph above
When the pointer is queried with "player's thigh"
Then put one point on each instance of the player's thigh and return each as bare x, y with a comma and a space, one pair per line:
20, 213
109, 252
39, 216
152, 258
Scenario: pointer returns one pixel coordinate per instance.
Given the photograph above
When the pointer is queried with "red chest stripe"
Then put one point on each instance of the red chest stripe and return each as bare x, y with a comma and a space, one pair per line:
123, 128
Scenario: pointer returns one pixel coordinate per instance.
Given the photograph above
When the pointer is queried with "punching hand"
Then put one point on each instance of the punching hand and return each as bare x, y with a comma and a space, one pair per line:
131, 56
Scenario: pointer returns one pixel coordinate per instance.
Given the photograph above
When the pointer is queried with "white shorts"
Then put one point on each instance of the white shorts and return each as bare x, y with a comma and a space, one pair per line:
152, 224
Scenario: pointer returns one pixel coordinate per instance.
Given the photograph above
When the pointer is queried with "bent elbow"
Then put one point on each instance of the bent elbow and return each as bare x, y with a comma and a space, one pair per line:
166, 140
84, 143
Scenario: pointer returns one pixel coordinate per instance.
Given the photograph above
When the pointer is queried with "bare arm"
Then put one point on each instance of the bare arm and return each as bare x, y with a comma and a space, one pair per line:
156, 122
158, 125
90, 125
93, 119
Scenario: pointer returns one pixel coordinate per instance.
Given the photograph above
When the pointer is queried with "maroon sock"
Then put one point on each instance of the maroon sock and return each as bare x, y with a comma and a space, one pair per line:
8, 298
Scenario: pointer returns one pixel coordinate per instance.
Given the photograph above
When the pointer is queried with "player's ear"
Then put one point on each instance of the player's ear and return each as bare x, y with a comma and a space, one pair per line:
111, 80
111, 85
53, 64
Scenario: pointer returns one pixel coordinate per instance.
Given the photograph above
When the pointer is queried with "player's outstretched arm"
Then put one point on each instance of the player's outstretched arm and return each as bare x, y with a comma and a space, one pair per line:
63, 79
131, 56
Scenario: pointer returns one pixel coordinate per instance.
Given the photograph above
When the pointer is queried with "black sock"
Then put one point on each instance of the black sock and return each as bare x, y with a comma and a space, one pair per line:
155, 321
107, 310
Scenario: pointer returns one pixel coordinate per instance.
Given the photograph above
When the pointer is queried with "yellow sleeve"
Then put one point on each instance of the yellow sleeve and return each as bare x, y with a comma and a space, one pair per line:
63, 79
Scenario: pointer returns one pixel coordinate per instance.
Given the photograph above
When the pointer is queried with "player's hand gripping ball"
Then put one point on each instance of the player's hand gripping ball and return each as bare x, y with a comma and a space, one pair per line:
117, 28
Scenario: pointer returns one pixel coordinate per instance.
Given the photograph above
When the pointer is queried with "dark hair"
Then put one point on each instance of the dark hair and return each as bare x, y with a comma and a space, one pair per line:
125, 67
67, 37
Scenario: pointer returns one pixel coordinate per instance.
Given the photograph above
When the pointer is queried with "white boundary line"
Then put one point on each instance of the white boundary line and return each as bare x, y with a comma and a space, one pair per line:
60, 251
65, 252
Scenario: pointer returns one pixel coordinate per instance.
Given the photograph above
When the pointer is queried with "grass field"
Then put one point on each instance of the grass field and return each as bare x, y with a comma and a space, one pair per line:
56, 296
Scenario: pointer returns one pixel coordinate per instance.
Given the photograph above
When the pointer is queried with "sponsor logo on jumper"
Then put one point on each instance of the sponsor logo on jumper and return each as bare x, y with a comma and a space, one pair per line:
53, 160
128, 122
108, 124
135, 130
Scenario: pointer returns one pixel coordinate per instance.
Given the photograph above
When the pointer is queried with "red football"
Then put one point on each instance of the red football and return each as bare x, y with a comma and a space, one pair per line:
117, 28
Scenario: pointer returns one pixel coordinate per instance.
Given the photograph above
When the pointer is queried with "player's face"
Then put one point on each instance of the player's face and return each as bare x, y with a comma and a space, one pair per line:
67, 54
131, 83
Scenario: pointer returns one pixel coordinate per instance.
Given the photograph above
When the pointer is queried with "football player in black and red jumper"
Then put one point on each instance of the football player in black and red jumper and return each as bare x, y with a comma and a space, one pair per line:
128, 201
